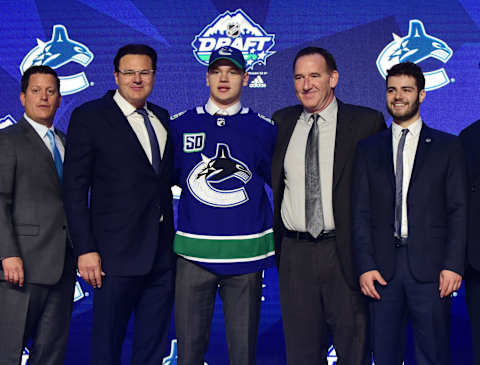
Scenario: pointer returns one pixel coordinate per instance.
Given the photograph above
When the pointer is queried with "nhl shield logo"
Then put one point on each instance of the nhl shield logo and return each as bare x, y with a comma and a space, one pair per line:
415, 47
238, 30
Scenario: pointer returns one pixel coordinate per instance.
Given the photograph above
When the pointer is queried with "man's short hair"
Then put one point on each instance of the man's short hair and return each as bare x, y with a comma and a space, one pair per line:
408, 69
331, 64
40, 69
140, 49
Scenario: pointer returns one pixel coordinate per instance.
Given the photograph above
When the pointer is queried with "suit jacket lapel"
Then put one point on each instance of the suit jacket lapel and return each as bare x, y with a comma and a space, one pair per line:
118, 121
163, 161
288, 131
39, 146
424, 142
343, 141
386, 157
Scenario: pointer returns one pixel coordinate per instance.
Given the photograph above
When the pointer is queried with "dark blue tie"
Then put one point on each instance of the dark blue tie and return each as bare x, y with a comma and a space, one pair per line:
399, 184
155, 148
57, 158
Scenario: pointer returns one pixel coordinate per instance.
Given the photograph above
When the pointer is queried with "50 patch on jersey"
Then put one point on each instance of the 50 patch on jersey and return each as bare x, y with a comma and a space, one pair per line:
193, 142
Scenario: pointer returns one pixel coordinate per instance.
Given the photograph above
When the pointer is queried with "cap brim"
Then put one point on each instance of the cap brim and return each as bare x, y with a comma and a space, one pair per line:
234, 61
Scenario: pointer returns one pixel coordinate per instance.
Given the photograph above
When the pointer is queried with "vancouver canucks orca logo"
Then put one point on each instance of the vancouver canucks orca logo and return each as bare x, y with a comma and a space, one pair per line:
57, 52
205, 177
238, 30
7, 121
415, 47
171, 359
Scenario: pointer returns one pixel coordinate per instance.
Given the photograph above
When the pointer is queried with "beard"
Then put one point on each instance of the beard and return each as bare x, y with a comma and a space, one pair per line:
407, 114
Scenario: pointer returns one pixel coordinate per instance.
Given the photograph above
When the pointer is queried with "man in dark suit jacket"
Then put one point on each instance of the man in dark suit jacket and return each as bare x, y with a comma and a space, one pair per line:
409, 225
37, 273
119, 207
470, 138
318, 287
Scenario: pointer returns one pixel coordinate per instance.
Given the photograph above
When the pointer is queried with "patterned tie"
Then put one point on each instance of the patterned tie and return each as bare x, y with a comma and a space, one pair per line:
153, 140
57, 158
313, 193
399, 184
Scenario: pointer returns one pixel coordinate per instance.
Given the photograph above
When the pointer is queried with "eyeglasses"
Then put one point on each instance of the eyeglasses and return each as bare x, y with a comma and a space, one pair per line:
144, 74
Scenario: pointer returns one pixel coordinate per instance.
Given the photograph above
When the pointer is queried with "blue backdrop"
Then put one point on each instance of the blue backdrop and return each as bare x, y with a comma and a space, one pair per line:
79, 39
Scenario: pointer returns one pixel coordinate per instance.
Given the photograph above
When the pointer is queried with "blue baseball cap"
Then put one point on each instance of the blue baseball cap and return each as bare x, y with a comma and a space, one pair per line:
231, 54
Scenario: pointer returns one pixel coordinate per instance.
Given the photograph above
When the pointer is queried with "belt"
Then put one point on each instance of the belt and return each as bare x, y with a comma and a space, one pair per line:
305, 236
400, 242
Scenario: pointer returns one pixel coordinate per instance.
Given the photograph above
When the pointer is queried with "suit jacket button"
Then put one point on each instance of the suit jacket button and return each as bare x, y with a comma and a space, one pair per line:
474, 188
64, 227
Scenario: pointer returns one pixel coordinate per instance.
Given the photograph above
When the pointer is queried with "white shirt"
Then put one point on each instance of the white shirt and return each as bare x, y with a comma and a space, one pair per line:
212, 109
137, 123
293, 202
42, 132
409, 151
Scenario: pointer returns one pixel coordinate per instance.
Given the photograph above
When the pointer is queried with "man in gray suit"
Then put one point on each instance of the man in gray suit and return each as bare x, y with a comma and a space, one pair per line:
37, 273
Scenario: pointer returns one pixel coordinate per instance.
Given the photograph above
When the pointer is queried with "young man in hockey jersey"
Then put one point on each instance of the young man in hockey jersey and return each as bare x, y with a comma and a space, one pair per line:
224, 239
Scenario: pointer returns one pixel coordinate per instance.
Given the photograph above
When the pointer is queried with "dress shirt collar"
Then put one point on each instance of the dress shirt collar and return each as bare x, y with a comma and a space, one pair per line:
39, 128
211, 108
413, 129
126, 108
329, 114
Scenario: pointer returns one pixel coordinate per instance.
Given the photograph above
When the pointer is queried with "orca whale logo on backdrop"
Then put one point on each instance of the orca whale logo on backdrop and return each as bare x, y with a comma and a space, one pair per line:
57, 52
7, 121
171, 359
238, 30
415, 47
205, 177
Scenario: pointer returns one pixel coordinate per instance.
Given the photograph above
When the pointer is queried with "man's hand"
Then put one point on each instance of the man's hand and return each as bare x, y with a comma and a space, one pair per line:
13, 270
367, 281
90, 268
450, 281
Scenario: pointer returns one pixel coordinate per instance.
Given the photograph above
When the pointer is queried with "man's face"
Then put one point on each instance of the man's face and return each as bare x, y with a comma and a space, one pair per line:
41, 98
135, 88
225, 82
403, 99
314, 83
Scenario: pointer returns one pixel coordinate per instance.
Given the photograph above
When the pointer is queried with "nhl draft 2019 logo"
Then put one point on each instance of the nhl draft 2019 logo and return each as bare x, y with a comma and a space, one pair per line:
238, 30
57, 52
212, 171
415, 47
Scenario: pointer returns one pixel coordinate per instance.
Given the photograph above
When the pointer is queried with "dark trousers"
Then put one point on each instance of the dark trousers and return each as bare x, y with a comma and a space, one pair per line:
472, 296
316, 301
403, 299
150, 298
39, 312
195, 293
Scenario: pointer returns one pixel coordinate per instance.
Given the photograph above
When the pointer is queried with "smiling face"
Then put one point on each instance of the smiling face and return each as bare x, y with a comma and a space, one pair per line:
135, 88
41, 98
225, 81
404, 99
314, 82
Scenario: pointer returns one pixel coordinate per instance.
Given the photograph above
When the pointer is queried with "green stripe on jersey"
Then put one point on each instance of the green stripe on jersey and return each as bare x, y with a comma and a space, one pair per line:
224, 248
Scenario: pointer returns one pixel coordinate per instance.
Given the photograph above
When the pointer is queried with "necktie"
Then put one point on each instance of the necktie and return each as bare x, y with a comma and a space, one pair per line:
57, 158
153, 140
399, 184
313, 194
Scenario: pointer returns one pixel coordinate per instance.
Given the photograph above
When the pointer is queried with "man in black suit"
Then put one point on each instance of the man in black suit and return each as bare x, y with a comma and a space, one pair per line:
119, 207
470, 138
409, 225
37, 272
318, 288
